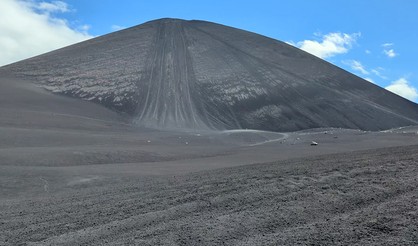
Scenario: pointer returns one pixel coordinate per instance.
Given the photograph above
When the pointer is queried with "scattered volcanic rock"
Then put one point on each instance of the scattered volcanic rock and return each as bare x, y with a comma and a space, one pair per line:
172, 73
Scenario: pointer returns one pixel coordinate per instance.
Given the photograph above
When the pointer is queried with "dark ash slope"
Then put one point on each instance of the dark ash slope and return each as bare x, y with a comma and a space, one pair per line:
362, 198
195, 74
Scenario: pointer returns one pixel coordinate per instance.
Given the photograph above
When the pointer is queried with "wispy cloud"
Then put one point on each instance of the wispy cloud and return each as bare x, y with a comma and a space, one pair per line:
54, 6
46, 7
370, 80
390, 53
378, 73
116, 28
85, 28
356, 66
403, 88
388, 50
329, 45
27, 29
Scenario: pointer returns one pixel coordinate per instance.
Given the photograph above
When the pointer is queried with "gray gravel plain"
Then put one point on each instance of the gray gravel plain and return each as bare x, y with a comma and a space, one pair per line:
357, 198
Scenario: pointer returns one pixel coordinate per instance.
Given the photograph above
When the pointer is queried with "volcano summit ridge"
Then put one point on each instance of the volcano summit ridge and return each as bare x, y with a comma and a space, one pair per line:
172, 73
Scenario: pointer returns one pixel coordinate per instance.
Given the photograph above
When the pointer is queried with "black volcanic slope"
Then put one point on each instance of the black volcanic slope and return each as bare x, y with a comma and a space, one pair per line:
172, 73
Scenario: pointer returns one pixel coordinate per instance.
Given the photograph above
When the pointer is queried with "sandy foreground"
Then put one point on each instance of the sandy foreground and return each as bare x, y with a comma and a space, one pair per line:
225, 189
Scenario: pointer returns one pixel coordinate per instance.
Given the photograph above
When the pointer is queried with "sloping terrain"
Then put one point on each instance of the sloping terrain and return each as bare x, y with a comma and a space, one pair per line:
172, 73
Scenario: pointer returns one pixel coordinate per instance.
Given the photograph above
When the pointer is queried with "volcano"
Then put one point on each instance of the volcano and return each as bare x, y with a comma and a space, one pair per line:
133, 162
172, 73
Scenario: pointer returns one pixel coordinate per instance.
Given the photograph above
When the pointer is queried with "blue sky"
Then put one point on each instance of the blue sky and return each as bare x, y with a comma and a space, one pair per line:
374, 39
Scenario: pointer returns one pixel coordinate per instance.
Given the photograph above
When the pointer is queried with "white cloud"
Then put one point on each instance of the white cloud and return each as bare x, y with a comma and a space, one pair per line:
390, 53
368, 52
117, 28
84, 28
403, 89
357, 66
378, 73
27, 29
331, 44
